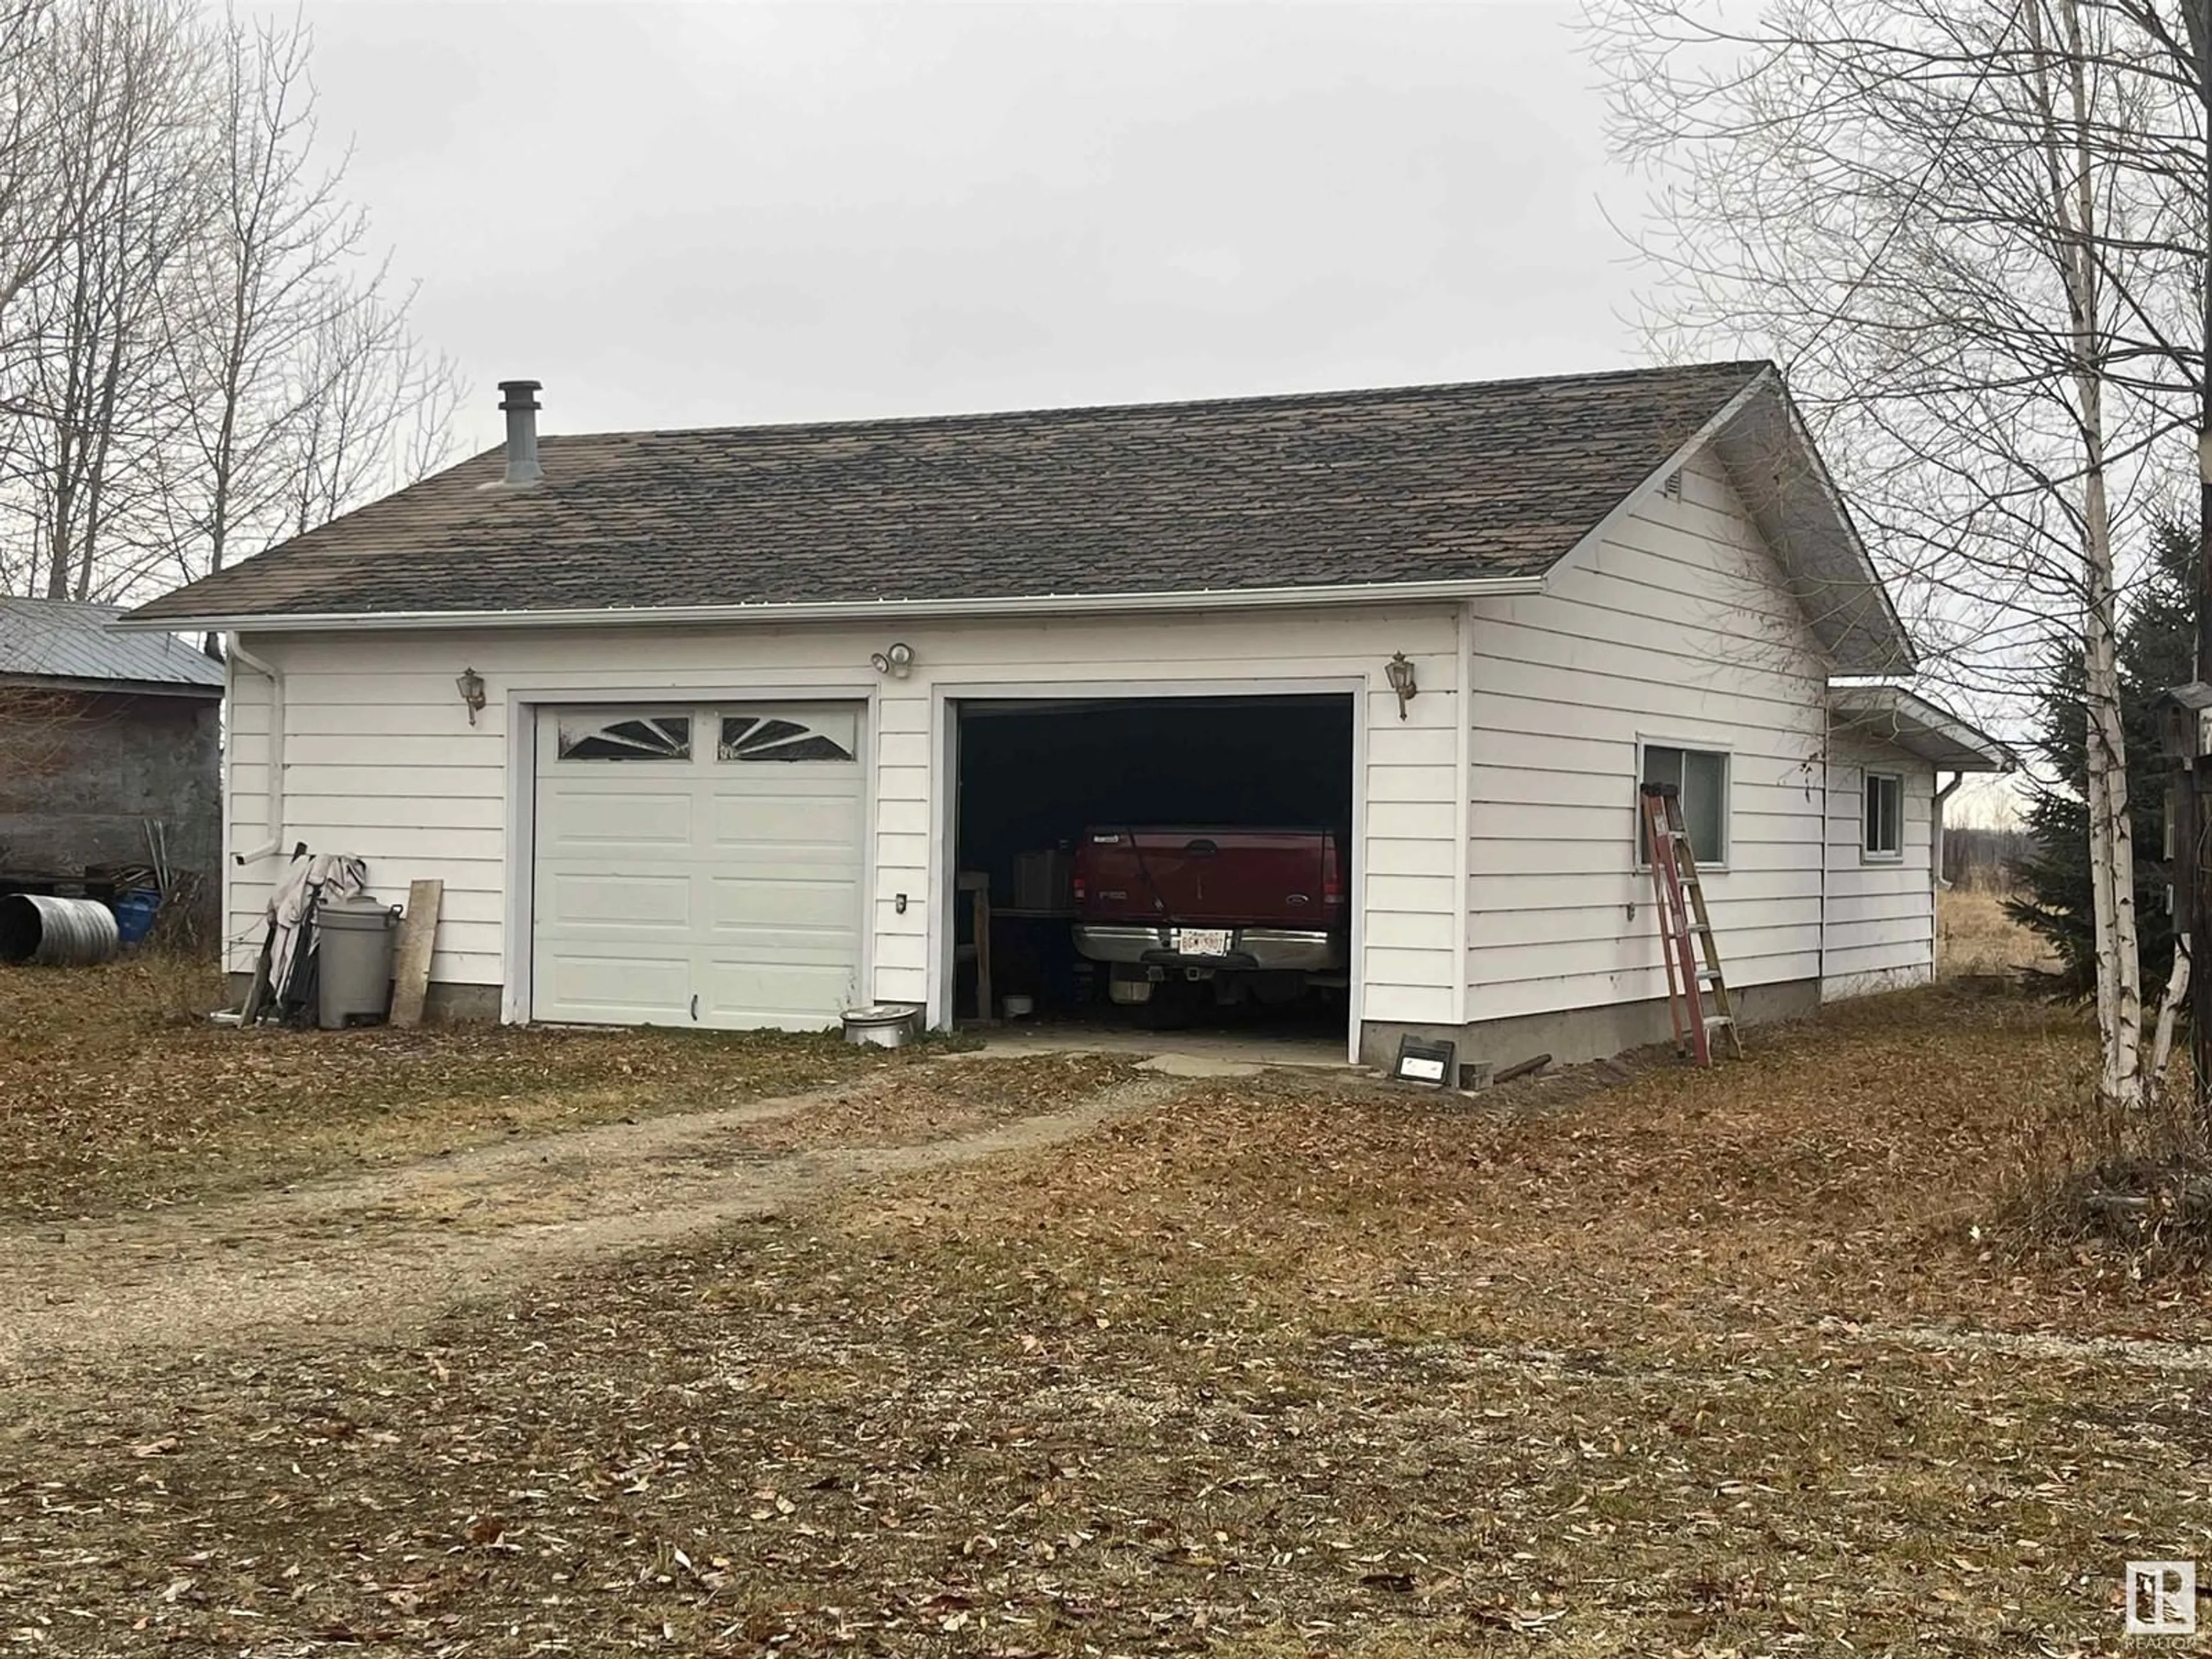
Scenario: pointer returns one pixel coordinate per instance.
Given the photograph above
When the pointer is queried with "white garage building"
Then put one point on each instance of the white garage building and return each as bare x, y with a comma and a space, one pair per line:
752, 700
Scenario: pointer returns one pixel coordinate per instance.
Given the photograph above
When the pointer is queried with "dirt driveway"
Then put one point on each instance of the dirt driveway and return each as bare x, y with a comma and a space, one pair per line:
377, 1255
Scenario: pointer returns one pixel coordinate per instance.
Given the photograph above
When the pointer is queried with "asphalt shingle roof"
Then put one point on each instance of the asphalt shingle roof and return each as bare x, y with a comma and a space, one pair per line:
63, 640
1411, 484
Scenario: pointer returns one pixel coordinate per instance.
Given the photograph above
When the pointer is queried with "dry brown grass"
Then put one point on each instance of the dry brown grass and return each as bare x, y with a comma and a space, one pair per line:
1974, 936
116, 1091
1709, 1363
2074, 1172
2138, 1180
1845, 1169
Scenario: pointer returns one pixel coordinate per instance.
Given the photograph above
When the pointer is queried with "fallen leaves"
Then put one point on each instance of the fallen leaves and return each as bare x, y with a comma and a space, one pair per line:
115, 1092
486, 1530
1618, 1371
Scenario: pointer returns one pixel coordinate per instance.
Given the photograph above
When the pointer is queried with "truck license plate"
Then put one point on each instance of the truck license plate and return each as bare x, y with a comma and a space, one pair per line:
1201, 941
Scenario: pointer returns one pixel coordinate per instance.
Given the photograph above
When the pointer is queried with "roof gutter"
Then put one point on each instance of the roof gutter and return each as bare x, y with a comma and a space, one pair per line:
1900, 704
273, 747
1045, 604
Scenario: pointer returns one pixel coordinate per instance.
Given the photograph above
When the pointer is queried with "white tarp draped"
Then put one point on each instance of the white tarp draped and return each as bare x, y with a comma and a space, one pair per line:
308, 883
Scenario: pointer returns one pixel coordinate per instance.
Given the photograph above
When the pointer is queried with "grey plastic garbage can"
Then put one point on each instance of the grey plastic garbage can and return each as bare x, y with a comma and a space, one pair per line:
353, 984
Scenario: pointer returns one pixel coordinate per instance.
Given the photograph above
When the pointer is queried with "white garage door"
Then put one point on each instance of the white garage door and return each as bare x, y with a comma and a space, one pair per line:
698, 866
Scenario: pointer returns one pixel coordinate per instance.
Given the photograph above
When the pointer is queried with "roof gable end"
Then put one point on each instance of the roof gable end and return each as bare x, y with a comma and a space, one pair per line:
1767, 456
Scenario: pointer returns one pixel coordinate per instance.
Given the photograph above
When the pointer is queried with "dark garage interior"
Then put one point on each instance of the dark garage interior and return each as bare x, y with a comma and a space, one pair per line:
1035, 776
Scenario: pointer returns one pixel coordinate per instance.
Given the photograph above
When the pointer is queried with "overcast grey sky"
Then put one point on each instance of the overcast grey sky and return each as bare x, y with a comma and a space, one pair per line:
723, 212
714, 213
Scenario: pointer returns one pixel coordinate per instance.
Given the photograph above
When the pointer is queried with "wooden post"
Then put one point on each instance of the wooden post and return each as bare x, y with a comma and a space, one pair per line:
2195, 911
411, 961
976, 884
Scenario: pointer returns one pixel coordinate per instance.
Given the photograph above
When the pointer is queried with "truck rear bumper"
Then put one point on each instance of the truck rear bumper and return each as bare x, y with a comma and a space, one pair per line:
1260, 949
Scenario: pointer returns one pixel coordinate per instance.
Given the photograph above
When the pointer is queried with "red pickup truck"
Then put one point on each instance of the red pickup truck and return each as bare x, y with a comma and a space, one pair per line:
1262, 910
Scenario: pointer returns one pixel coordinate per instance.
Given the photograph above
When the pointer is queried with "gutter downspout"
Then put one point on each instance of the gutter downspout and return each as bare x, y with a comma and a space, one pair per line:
1935, 828
1827, 852
1935, 882
274, 791
1462, 813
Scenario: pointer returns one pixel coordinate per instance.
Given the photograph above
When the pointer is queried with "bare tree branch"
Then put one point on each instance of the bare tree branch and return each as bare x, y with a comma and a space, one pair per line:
200, 352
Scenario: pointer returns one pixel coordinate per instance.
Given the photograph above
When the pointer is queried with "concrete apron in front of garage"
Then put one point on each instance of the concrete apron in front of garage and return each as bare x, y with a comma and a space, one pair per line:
1175, 1053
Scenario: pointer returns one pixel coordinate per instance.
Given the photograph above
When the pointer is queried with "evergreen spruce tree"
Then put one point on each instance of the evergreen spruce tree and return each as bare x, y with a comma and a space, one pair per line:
2157, 642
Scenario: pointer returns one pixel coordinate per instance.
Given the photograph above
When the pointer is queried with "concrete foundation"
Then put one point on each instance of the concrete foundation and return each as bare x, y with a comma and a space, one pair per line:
1888, 979
463, 1005
1580, 1034
447, 1003
1576, 1035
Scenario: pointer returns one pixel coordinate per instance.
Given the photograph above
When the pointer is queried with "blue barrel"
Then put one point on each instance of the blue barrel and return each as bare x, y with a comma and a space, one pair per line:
135, 912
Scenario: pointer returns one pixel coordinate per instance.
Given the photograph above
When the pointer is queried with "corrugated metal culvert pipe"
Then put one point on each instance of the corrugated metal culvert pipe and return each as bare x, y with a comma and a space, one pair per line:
57, 933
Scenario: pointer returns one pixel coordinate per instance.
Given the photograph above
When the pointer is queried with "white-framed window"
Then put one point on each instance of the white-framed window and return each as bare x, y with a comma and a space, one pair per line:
1702, 777
1884, 824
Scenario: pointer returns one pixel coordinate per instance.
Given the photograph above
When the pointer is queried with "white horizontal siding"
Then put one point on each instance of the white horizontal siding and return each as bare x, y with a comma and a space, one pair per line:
380, 759
1880, 912
1675, 629
244, 816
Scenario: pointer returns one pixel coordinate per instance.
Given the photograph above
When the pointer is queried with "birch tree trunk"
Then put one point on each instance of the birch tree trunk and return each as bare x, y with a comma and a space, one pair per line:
2075, 217
2112, 848
1975, 235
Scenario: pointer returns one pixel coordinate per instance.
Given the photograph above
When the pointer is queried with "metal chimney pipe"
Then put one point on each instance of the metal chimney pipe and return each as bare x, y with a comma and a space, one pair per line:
521, 405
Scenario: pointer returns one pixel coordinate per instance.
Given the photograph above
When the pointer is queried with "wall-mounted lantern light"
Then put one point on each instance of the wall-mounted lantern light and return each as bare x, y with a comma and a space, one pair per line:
1402, 680
896, 661
471, 687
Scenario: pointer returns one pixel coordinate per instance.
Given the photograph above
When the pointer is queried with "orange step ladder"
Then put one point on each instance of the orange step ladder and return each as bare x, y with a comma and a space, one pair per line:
1697, 998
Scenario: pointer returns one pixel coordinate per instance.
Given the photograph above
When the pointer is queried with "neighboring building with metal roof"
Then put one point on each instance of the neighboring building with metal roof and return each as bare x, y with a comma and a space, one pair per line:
750, 726
109, 757
63, 642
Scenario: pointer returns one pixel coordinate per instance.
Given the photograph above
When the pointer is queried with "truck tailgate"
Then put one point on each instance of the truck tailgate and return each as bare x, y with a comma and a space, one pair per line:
1210, 877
